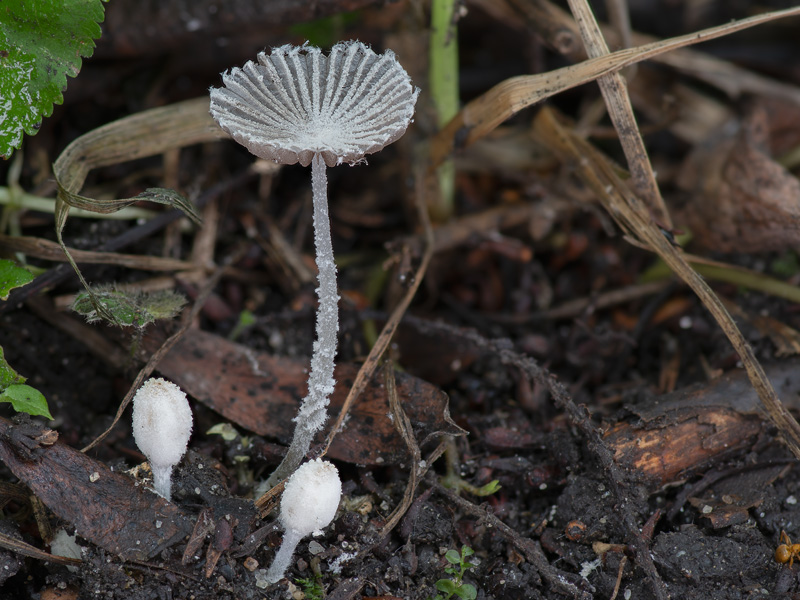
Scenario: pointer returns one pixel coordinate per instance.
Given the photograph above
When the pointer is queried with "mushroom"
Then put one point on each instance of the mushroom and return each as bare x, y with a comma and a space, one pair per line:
308, 505
162, 426
298, 105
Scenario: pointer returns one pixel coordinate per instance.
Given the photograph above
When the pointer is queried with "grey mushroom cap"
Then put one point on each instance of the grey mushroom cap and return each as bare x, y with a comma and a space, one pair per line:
296, 102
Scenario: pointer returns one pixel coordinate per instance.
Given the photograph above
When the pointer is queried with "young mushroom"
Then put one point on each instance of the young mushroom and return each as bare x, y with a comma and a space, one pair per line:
298, 105
162, 426
308, 504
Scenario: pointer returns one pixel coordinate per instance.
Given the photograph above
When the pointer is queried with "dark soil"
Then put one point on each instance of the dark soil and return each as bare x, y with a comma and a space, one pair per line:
537, 391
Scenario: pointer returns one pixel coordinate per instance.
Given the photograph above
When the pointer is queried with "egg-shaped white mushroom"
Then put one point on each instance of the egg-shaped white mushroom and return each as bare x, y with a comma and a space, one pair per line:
308, 505
162, 426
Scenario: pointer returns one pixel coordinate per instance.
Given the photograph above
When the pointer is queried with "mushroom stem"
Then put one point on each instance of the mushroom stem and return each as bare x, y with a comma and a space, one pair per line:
284, 556
162, 480
314, 409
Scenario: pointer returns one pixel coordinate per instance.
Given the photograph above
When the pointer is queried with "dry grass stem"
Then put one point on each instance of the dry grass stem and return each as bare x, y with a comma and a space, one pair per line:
485, 113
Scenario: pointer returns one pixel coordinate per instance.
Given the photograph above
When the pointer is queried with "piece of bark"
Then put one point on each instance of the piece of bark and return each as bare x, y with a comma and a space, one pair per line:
740, 199
106, 508
262, 393
681, 432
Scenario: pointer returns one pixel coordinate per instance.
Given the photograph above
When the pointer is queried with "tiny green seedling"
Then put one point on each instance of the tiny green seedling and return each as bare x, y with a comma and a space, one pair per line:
455, 586
312, 588
246, 319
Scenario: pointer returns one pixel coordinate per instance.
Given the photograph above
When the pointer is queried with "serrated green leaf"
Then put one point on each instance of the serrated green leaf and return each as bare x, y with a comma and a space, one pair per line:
8, 376
446, 586
122, 307
466, 591
12, 276
26, 399
41, 44
165, 304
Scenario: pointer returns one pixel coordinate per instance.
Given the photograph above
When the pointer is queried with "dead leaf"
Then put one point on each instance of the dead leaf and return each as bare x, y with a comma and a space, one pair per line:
262, 393
740, 199
106, 508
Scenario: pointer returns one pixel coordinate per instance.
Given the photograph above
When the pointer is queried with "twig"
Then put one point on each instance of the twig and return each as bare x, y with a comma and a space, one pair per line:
48, 250
531, 549
582, 420
622, 562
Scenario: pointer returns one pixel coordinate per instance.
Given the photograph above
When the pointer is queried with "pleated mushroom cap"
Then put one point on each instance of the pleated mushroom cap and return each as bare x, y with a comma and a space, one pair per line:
296, 102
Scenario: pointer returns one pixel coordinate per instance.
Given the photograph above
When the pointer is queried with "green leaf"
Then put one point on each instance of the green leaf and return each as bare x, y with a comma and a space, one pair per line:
41, 44
26, 399
488, 489
228, 433
446, 585
246, 319
466, 591
12, 275
122, 307
8, 376
453, 557
466, 550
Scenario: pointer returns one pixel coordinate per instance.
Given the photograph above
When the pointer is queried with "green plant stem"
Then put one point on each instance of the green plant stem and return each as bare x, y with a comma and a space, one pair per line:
48, 205
729, 274
443, 83
453, 480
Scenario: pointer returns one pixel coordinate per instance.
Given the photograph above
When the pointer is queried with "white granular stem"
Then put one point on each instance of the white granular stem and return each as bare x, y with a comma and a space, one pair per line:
314, 409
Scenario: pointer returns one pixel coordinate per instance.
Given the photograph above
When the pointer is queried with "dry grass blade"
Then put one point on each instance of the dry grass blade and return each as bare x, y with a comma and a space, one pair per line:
598, 173
560, 31
615, 94
485, 113
147, 133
